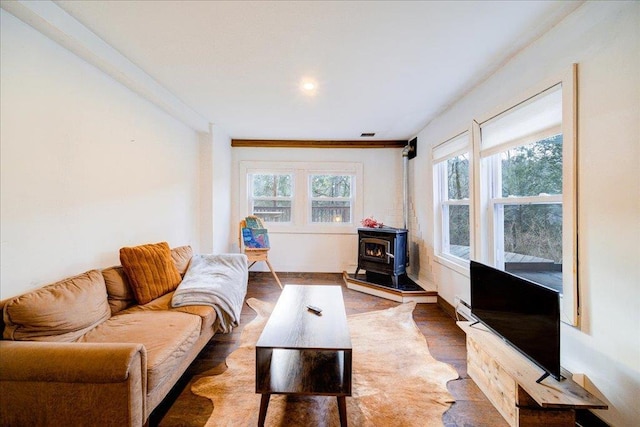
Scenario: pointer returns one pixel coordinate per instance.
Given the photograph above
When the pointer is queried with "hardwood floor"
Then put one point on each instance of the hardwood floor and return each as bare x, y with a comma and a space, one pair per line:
446, 343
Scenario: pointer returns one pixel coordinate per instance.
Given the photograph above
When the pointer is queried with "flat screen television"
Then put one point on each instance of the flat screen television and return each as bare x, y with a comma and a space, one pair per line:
524, 313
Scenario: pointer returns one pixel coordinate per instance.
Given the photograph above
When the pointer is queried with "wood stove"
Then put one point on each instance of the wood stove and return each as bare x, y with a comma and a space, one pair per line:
383, 250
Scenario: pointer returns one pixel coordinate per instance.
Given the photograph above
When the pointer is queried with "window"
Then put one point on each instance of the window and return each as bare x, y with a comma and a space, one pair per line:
272, 196
331, 199
526, 186
528, 212
302, 197
505, 192
452, 178
521, 152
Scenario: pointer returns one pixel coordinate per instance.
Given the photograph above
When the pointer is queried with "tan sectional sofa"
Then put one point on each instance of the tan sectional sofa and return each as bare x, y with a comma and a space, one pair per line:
82, 351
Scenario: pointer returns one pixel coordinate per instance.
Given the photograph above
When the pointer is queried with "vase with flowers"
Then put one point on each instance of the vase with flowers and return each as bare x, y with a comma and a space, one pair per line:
370, 222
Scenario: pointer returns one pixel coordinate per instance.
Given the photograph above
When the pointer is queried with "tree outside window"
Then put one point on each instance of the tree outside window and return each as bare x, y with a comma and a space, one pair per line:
455, 207
528, 210
272, 196
534, 170
331, 198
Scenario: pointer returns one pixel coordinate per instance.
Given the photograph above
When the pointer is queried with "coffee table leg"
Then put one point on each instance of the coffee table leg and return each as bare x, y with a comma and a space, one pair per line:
264, 404
342, 410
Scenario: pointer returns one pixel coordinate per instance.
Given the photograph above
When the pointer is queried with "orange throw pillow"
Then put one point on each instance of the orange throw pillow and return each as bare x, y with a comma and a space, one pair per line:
150, 270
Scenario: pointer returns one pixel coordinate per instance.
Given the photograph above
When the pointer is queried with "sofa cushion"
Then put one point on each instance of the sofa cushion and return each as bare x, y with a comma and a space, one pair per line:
150, 270
181, 257
206, 313
62, 311
119, 290
166, 335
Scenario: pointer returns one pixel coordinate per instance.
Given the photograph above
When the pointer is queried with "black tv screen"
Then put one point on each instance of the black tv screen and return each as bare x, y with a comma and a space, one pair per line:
524, 313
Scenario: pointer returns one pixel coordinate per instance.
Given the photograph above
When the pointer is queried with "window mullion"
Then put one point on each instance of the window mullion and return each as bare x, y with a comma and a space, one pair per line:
528, 200
461, 202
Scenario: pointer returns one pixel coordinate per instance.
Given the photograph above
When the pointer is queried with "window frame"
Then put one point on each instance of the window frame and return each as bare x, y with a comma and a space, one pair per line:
253, 198
301, 205
497, 202
441, 154
350, 199
483, 216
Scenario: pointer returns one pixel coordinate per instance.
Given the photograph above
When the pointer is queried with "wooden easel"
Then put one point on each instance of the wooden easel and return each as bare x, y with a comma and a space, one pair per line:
255, 254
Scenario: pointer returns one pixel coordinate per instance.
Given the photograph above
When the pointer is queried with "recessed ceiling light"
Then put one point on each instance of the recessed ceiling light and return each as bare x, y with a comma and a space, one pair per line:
308, 86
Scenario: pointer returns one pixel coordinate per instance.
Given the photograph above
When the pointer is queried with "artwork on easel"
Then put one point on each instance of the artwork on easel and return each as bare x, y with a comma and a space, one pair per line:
253, 222
254, 235
255, 238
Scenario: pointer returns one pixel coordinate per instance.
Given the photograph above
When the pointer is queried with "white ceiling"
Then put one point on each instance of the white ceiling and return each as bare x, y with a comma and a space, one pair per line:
383, 67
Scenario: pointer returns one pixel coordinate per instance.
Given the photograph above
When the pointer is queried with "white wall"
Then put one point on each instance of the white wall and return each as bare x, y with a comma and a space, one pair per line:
87, 165
382, 177
216, 229
224, 231
205, 175
604, 38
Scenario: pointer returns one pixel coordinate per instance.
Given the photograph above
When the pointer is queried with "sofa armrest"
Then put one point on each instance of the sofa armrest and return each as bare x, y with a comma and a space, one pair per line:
50, 383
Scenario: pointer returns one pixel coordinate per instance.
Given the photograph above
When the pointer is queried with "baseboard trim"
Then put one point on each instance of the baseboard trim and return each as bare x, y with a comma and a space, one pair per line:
446, 307
451, 310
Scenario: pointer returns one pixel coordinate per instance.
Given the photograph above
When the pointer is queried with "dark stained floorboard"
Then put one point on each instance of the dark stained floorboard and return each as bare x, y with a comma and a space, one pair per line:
446, 343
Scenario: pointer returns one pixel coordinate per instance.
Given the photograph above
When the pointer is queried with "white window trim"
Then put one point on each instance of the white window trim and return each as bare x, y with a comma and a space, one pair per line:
493, 178
250, 196
301, 204
440, 154
350, 199
483, 223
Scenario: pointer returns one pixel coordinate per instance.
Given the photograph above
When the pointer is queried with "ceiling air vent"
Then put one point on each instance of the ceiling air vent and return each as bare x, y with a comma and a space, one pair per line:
367, 134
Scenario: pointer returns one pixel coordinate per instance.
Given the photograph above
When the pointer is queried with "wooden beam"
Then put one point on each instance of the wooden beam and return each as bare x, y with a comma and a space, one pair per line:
274, 143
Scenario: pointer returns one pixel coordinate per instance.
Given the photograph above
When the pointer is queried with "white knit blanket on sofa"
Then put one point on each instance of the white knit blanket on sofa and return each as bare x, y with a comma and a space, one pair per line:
219, 281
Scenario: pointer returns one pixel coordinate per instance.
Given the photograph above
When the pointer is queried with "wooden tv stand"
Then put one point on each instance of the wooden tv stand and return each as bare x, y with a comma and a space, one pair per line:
508, 379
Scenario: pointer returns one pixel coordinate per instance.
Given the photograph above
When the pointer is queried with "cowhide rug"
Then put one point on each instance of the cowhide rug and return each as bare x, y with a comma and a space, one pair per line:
396, 382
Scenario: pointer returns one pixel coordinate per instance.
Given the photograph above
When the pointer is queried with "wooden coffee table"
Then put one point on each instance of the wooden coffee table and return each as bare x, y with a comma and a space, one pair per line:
301, 353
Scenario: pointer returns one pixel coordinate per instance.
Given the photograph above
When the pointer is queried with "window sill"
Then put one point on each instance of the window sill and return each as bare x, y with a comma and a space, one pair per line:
459, 265
311, 229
